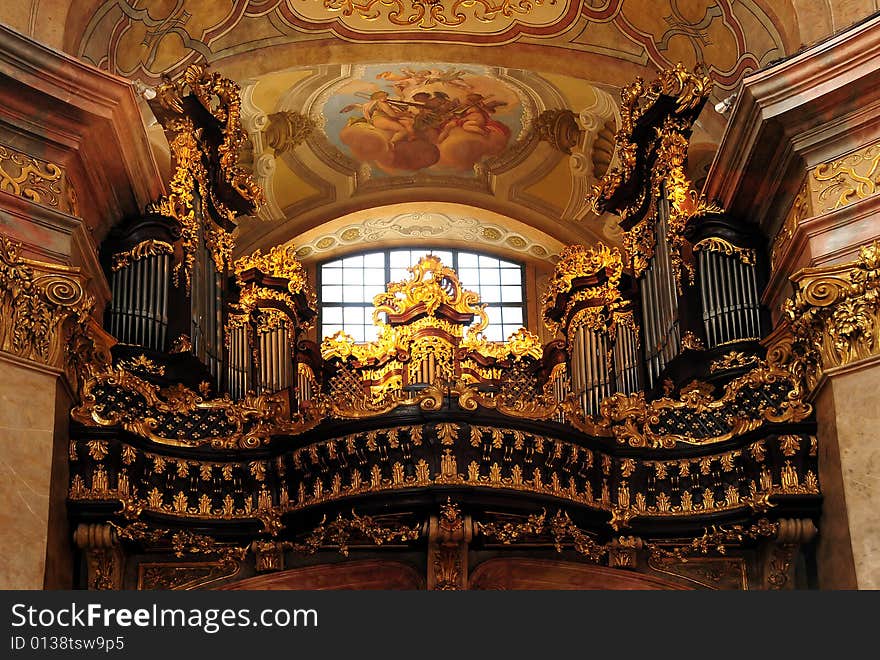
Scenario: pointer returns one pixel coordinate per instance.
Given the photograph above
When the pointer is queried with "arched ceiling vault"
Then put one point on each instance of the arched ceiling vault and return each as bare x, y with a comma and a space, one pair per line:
496, 64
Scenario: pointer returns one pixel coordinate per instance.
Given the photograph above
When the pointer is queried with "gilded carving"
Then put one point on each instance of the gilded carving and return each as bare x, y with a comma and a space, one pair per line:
717, 244
846, 180
449, 535
38, 180
104, 559
800, 209
430, 15
140, 251
583, 277
143, 364
733, 360
631, 419
667, 178
42, 306
249, 420
835, 314
183, 576
340, 531
781, 550
560, 129
206, 214
710, 572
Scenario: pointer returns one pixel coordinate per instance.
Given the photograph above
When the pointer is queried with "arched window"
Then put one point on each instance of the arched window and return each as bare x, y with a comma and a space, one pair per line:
347, 287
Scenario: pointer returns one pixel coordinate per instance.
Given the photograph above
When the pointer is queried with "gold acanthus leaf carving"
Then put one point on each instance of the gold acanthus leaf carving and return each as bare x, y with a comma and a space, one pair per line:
667, 178
42, 307
835, 314
340, 531
140, 251
214, 219
717, 244
431, 285
585, 276
262, 414
261, 303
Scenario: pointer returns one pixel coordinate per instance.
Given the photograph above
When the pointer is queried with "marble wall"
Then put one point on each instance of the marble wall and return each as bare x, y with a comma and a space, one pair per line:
848, 412
27, 437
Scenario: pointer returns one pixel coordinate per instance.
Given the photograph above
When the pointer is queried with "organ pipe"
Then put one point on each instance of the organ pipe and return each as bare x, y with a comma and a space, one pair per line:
728, 292
659, 297
139, 280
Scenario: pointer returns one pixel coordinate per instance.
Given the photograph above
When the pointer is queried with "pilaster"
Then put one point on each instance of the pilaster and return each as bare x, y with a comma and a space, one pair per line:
801, 160
74, 160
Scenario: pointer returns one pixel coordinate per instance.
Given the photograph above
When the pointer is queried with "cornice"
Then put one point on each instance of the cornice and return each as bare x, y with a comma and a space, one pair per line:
794, 115
88, 117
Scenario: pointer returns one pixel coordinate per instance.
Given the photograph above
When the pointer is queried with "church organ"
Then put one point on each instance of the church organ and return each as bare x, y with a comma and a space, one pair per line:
633, 438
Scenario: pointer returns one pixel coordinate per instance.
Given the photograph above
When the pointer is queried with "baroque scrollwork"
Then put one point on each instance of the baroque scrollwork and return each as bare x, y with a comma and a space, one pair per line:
835, 314
667, 179
717, 244
583, 289
428, 15
41, 306
40, 181
205, 176
846, 180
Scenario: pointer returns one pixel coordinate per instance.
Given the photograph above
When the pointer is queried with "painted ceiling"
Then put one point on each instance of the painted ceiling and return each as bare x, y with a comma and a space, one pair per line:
391, 120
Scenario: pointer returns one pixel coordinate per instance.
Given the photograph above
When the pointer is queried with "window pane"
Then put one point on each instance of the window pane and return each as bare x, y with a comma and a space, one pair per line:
352, 276
353, 315
490, 276
399, 274
494, 314
511, 276
511, 294
332, 294
491, 293
467, 260
374, 276
469, 277
399, 259
332, 315
370, 292
493, 333
512, 316
352, 293
374, 260
358, 279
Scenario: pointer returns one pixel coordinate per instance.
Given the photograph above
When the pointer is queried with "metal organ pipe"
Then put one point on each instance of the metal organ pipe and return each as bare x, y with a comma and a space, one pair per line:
728, 291
741, 329
163, 298
754, 305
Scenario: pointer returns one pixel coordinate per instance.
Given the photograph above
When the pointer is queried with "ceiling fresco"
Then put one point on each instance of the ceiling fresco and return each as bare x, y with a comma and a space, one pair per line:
353, 105
330, 140
430, 117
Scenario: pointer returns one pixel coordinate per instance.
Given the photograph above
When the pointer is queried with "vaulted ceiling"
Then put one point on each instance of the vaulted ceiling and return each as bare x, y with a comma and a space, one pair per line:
368, 173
